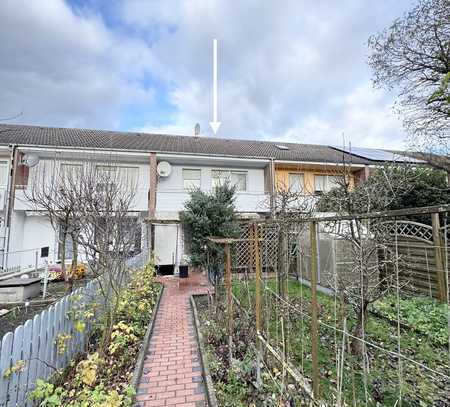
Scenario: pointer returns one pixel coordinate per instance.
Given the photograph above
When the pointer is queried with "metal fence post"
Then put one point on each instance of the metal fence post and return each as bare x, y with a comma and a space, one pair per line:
314, 309
44, 290
229, 300
36, 261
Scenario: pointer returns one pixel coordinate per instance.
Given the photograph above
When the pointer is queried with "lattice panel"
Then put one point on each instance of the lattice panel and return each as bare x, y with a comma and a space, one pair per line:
243, 251
408, 229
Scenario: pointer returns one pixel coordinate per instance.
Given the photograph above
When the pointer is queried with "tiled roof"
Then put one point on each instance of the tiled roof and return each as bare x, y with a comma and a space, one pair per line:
132, 141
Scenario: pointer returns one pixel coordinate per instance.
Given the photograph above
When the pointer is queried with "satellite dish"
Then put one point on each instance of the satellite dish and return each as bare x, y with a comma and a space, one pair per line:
164, 169
30, 160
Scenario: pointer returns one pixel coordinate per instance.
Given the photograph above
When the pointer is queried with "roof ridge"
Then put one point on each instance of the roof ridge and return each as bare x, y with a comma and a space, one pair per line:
192, 137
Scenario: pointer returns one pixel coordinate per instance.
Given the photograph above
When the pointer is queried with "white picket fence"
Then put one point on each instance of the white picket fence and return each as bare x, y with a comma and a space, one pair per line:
32, 348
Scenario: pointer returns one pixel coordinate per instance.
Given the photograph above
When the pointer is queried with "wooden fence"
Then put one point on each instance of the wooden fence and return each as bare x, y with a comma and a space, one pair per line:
36, 349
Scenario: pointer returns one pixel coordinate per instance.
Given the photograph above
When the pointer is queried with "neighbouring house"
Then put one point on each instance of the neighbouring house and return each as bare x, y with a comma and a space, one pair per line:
166, 168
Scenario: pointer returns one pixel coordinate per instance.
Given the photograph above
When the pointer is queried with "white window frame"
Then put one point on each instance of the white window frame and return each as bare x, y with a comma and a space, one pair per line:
118, 169
301, 176
226, 176
4, 165
69, 165
190, 180
328, 183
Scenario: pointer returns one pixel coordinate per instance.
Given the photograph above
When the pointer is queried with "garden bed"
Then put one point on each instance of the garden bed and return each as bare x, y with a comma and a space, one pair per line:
102, 376
236, 385
423, 340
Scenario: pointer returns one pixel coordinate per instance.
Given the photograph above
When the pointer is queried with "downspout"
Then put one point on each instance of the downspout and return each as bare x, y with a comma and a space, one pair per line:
272, 187
9, 201
153, 185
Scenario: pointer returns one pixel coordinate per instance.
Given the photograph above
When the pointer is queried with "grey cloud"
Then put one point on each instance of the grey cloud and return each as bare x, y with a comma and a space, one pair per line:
290, 70
287, 68
66, 68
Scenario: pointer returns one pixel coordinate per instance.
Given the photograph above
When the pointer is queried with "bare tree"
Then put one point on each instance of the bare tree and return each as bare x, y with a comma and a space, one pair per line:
107, 232
91, 202
53, 192
365, 280
290, 206
413, 56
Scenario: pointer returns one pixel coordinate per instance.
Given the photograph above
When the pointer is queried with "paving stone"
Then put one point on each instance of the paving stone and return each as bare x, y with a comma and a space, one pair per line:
172, 365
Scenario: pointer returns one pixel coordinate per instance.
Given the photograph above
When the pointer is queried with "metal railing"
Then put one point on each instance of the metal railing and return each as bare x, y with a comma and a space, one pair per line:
27, 260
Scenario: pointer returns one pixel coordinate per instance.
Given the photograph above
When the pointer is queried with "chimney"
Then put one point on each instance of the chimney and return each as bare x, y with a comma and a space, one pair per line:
197, 129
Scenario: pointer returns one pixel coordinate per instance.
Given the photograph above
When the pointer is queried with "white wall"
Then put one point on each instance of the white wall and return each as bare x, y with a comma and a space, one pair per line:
17, 231
46, 167
28, 235
171, 194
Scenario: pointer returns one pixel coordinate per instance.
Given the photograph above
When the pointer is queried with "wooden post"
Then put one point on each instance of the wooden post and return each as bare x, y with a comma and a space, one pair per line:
314, 309
437, 243
229, 300
299, 257
256, 253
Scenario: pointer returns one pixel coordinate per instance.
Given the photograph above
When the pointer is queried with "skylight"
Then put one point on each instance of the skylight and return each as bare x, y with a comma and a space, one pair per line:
281, 147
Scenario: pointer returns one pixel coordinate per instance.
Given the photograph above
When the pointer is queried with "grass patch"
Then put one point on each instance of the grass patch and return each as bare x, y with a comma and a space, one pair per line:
427, 344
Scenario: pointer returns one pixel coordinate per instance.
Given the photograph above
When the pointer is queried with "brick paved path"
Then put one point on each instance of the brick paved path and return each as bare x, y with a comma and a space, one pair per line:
172, 374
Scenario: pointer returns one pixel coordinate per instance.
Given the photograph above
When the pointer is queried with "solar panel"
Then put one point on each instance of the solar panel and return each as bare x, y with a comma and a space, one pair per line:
378, 155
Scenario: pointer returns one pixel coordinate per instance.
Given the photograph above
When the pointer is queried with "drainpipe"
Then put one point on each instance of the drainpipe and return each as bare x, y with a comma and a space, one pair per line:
272, 187
9, 201
153, 185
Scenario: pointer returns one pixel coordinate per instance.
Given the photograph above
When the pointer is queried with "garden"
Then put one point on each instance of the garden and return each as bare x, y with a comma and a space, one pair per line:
80, 346
102, 374
375, 382
353, 306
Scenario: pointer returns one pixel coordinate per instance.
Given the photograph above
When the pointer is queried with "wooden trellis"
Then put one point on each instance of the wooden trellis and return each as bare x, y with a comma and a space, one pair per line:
244, 254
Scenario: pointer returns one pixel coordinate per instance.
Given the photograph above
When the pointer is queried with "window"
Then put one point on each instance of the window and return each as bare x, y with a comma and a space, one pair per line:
296, 182
319, 184
3, 173
325, 183
335, 182
191, 178
236, 178
71, 171
219, 177
239, 180
125, 176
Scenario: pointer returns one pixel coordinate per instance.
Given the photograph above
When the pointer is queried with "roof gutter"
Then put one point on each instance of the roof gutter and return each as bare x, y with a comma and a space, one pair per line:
31, 147
327, 163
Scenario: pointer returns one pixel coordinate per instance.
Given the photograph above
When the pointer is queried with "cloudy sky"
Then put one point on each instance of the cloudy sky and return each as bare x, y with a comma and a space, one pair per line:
288, 70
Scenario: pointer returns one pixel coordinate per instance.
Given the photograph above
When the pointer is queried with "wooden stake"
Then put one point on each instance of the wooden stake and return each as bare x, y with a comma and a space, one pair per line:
229, 300
256, 254
437, 242
314, 310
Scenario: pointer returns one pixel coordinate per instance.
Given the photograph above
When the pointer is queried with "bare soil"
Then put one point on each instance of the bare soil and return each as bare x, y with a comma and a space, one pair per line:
20, 313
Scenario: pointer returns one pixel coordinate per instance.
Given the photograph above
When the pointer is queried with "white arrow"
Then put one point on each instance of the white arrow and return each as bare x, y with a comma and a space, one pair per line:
215, 124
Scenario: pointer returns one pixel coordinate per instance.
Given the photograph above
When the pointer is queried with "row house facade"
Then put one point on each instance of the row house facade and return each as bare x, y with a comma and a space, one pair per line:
165, 168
